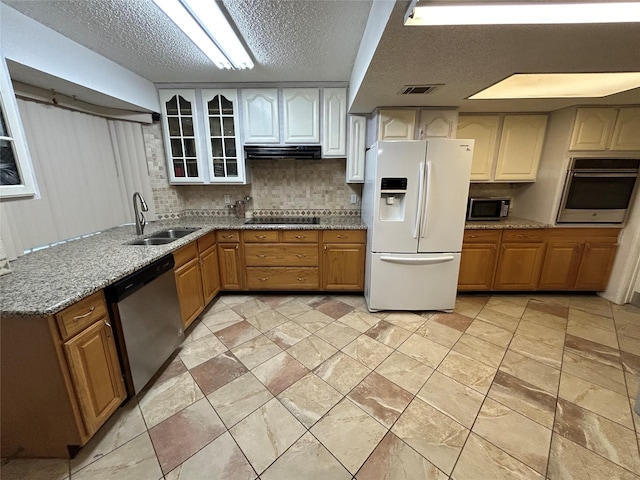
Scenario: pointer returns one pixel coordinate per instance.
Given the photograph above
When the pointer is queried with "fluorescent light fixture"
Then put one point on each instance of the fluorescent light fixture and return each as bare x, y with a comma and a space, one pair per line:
560, 85
422, 13
207, 27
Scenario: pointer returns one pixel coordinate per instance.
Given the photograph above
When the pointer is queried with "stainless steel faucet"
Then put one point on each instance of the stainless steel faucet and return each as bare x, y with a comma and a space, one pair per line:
140, 220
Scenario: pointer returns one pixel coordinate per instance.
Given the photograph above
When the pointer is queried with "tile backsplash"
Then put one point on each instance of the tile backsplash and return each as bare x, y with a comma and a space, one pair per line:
288, 187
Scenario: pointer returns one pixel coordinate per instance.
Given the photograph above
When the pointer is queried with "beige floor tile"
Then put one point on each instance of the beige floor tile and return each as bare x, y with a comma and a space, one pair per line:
220, 459
342, 372
338, 334
35, 469
592, 350
629, 326
479, 349
594, 334
293, 309
349, 434
508, 305
197, 330
132, 461
309, 399
287, 334
256, 351
266, 434
237, 334
524, 398
592, 304
453, 320
395, 460
311, 351
353, 300
360, 320
407, 320
598, 399
306, 459
439, 333
237, 399
279, 372
163, 400
480, 460
517, 435
545, 319
250, 308
432, 434
531, 371
221, 319
596, 433
267, 320
313, 320
470, 305
537, 351
591, 319
500, 319
570, 461
424, 350
538, 333
380, 398
367, 351
593, 371
404, 371
629, 344
388, 334
490, 333
231, 299
467, 371
460, 402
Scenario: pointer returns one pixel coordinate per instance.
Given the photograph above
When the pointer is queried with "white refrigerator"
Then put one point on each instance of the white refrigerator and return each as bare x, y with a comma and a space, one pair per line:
414, 205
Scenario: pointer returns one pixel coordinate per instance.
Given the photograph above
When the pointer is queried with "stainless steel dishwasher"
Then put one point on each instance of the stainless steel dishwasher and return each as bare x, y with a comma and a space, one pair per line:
145, 313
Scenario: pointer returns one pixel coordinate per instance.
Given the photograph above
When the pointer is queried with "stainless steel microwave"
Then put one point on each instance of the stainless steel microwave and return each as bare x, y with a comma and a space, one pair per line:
488, 208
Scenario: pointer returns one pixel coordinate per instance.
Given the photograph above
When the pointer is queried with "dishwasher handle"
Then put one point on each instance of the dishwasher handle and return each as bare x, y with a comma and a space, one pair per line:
121, 289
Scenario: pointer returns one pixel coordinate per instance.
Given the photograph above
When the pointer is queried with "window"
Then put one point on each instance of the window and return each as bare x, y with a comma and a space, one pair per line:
16, 171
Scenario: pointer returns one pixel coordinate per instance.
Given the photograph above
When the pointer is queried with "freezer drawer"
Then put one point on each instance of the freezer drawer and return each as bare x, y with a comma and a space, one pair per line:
411, 281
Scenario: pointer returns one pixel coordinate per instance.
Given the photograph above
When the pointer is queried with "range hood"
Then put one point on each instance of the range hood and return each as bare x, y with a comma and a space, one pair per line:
274, 152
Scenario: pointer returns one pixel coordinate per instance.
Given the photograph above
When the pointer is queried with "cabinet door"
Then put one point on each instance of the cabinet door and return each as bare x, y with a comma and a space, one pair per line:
595, 267
593, 128
224, 153
229, 259
210, 273
180, 127
189, 285
397, 125
301, 107
260, 115
357, 149
343, 267
484, 130
520, 147
560, 267
334, 122
626, 135
519, 266
438, 124
96, 374
477, 266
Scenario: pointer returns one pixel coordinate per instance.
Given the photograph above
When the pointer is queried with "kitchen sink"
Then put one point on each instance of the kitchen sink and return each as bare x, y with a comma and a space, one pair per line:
283, 221
152, 241
164, 236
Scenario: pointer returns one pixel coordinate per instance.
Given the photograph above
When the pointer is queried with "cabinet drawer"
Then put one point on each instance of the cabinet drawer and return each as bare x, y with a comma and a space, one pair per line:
80, 315
228, 236
344, 236
185, 254
482, 236
206, 242
299, 236
280, 278
523, 235
260, 236
281, 255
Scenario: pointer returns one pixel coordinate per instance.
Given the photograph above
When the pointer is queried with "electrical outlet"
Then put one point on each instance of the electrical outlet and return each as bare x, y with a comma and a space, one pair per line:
227, 199
354, 198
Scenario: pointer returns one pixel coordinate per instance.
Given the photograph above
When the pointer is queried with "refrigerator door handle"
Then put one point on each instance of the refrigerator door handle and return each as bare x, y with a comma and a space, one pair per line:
414, 260
416, 226
425, 213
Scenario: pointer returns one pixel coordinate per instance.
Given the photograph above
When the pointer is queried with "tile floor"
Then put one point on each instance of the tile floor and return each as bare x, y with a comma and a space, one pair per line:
314, 387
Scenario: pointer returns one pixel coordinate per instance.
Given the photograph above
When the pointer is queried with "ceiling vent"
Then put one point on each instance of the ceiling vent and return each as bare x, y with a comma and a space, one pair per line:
418, 89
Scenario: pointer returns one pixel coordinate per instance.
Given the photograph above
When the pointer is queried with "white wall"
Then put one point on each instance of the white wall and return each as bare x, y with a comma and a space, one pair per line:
25, 41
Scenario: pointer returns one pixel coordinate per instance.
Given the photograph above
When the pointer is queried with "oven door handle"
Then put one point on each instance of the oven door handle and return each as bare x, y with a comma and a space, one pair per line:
605, 175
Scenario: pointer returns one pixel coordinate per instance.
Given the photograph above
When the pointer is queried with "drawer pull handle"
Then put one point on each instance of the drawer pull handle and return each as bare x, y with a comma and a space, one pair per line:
261, 255
300, 255
263, 279
107, 323
262, 237
228, 236
301, 279
343, 236
301, 236
79, 317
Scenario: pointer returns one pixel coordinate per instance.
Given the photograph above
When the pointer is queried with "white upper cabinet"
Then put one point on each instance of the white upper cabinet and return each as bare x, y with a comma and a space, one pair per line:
301, 107
600, 129
260, 115
334, 122
396, 124
484, 130
520, 147
357, 147
437, 124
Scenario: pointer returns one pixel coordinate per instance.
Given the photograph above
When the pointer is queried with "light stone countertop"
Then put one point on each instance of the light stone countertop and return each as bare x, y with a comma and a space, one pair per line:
508, 223
49, 280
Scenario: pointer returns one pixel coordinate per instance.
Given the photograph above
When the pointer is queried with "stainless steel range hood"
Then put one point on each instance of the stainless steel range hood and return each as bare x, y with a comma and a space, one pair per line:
274, 152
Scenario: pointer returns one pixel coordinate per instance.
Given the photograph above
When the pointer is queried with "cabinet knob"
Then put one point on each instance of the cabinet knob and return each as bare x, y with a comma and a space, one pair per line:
301, 236
263, 279
261, 255
343, 236
301, 279
300, 255
262, 237
79, 317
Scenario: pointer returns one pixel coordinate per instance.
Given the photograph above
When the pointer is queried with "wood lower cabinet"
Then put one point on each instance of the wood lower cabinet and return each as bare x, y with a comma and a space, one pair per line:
519, 266
478, 259
189, 283
343, 255
230, 260
560, 267
209, 269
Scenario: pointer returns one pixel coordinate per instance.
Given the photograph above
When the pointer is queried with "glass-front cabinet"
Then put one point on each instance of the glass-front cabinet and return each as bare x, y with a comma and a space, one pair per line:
200, 130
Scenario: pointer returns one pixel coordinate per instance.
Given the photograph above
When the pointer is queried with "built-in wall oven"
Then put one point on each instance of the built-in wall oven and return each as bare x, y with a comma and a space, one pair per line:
598, 190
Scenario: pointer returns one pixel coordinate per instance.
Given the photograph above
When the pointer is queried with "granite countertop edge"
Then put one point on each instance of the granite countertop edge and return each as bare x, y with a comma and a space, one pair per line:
507, 224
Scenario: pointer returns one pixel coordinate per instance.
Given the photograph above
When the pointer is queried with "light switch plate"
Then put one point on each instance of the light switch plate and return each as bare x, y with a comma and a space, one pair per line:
354, 198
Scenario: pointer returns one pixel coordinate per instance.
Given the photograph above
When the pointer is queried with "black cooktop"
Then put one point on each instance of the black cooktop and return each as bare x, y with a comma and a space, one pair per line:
283, 221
